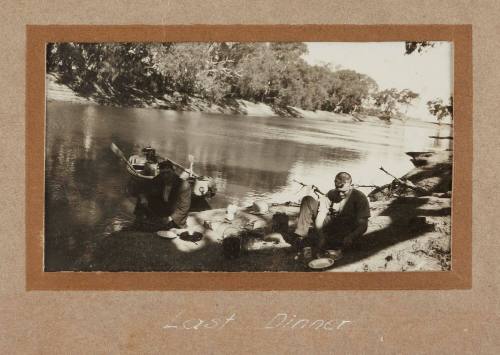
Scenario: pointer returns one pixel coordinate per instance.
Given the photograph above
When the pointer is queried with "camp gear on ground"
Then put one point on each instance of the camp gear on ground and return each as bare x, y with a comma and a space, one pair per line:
275, 238
167, 234
280, 223
321, 263
231, 243
191, 237
259, 208
230, 212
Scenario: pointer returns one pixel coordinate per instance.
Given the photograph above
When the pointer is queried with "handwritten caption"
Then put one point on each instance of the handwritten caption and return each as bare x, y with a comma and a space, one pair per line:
276, 321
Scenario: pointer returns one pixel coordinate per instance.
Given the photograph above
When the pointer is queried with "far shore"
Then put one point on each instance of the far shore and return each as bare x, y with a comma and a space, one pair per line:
56, 91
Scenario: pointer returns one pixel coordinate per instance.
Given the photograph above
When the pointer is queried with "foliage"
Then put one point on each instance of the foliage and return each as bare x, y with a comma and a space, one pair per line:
441, 110
390, 100
114, 71
349, 89
406, 97
411, 47
272, 73
202, 69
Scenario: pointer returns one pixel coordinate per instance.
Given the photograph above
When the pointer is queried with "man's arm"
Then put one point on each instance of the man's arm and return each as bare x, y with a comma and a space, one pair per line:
167, 183
361, 227
362, 213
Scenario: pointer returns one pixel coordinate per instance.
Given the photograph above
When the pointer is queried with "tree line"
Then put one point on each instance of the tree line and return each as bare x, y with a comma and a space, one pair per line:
134, 74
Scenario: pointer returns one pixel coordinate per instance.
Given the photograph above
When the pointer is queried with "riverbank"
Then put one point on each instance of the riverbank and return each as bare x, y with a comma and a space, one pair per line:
57, 91
409, 230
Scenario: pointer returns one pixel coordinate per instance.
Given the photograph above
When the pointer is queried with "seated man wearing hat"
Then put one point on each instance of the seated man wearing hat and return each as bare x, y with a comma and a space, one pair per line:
168, 199
340, 218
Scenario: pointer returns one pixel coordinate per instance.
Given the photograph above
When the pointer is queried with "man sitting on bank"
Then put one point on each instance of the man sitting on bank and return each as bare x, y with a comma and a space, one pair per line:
167, 201
340, 218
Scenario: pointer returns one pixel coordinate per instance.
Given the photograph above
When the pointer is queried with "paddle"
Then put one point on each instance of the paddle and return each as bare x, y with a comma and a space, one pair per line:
405, 182
191, 161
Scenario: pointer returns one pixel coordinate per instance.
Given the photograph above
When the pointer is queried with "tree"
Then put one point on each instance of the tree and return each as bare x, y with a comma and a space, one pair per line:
390, 100
411, 47
109, 71
438, 108
387, 101
274, 73
258, 73
200, 69
406, 96
349, 89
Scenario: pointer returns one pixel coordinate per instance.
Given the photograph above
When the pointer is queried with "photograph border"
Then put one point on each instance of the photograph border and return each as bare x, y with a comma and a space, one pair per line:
460, 276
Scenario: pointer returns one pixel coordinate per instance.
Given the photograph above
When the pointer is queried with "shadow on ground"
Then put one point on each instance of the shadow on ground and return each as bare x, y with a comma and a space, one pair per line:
402, 220
396, 221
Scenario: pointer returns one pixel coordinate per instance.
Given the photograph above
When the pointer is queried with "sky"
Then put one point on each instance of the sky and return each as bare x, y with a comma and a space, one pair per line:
428, 73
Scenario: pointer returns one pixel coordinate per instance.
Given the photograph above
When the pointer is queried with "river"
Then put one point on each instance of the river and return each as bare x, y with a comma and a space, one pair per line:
250, 158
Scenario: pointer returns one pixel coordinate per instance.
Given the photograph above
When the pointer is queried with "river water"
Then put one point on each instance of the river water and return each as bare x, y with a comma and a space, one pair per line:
250, 158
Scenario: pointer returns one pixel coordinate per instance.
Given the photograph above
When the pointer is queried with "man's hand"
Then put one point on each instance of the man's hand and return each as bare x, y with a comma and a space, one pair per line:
348, 240
166, 220
184, 175
321, 241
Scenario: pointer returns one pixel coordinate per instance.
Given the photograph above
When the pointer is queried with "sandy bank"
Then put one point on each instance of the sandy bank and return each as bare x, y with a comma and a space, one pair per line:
408, 231
56, 91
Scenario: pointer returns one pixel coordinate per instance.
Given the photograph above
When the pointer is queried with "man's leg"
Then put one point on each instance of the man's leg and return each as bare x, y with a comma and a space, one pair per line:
308, 211
307, 214
179, 208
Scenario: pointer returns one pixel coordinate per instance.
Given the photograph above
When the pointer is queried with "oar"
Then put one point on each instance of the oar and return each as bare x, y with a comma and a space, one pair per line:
405, 182
314, 187
317, 190
191, 161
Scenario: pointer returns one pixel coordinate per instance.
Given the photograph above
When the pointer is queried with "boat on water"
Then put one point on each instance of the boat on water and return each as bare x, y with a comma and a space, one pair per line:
144, 167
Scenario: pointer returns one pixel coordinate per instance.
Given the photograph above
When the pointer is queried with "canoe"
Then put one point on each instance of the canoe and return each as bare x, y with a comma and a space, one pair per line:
145, 165
143, 168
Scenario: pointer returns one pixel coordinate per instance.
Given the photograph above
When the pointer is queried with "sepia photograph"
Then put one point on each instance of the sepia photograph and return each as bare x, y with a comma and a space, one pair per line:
248, 156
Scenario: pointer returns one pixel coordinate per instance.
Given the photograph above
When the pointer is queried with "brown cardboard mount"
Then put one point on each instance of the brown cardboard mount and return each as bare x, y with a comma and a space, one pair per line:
458, 278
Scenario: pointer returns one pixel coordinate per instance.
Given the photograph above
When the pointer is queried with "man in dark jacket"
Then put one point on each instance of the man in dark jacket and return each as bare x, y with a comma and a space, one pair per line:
168, 199
339, 219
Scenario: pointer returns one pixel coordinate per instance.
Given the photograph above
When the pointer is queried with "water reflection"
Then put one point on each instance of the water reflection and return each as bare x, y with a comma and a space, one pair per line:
250, 158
